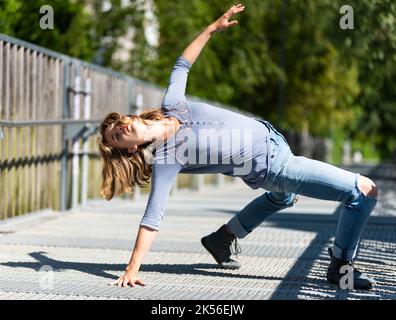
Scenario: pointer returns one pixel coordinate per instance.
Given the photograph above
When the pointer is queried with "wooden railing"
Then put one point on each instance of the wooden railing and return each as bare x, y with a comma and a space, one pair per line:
45, 99
49, 106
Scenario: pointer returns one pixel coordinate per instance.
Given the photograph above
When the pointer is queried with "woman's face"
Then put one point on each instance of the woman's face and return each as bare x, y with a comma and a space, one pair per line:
127, 135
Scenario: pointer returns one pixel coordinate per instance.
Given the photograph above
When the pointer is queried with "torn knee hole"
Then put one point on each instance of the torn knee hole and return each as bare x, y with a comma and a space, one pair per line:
373, 193
368, 187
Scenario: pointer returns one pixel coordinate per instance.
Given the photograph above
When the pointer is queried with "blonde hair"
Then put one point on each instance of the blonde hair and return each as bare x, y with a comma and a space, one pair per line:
121, 170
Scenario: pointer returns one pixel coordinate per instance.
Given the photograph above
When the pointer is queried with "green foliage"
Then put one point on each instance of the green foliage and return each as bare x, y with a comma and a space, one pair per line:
320, 88
372, 46
333, 79
235, 64
241, 66
338, 138
367, 147
71, 25
330, 80
110, 24
8, 9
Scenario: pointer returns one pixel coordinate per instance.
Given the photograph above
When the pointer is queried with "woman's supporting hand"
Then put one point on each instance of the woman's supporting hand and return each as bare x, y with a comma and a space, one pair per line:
223, 22
128, 278
144, 240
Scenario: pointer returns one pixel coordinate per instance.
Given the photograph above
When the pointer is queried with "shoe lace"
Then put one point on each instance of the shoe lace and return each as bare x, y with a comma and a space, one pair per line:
352, 264
235, 247
349, 263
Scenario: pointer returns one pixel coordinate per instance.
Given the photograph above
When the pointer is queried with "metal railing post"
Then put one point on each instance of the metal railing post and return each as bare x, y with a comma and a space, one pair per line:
219, 180
130, 95
198, 181
65, 115
76, 144
139, 106
87, 115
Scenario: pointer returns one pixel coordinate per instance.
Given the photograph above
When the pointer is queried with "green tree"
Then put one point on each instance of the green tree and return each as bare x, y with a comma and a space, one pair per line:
110, 23
242, 66
331, 80
71, 26
8, 9
321, 88
371, 46
234, 65
374, 46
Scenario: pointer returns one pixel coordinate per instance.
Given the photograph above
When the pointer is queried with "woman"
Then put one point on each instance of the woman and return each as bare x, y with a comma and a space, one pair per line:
154, 144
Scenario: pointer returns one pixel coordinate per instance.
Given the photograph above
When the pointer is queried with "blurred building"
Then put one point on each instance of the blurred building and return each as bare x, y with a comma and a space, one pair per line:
125, 42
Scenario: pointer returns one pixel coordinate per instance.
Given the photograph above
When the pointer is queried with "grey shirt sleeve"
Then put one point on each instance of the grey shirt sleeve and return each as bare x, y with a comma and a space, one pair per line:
163, 176
175, 93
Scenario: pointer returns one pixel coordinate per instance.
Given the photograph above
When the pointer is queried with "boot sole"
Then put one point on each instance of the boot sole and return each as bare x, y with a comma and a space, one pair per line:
219, 262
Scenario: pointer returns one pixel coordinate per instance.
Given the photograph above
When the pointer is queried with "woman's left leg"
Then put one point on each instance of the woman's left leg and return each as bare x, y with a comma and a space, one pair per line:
316, 179
358, 195
321, 180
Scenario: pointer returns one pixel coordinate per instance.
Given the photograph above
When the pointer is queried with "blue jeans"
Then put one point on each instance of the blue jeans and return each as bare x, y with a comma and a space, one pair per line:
290, 175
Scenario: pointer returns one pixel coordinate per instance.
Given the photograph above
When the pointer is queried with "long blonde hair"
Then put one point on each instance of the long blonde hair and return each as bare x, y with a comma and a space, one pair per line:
121, 170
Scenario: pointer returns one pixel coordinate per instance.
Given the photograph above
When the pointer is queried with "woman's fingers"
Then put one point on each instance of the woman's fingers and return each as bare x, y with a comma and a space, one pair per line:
232, 23
239, 9
234, 10
238, 6
124, 281
112, 283
139, 281
115, 283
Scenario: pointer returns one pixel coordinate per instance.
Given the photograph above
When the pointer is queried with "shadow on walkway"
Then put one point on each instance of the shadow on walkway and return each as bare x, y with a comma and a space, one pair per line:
307, 276
99, 269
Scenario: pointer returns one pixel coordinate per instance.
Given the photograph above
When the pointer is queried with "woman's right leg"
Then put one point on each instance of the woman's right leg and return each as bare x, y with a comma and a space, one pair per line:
258, 210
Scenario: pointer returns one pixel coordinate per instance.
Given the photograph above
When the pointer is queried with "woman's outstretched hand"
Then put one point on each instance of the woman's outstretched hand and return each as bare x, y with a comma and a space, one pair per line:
193, 50
128, 278
223, 22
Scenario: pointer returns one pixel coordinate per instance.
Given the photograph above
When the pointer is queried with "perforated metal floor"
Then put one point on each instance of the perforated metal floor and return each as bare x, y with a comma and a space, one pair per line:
285, 258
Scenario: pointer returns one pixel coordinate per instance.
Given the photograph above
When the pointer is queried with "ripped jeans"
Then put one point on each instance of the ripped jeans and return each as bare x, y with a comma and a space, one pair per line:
290, 175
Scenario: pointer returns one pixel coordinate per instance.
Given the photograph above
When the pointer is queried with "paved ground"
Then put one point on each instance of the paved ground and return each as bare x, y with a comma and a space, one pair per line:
285, 258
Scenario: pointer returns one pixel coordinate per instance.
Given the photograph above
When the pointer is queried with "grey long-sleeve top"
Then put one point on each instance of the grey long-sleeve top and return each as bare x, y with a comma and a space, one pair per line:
210, 140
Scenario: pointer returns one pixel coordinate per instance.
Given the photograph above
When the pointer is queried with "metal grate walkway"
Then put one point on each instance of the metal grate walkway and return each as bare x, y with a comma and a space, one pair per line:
285, 258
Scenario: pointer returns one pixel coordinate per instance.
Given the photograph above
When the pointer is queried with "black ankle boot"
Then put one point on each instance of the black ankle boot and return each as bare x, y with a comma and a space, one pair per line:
360, 280
219, 245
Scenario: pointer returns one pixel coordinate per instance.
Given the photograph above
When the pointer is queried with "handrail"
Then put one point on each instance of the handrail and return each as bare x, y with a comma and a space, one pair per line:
70, 77
35, 123
69, 59
110, 72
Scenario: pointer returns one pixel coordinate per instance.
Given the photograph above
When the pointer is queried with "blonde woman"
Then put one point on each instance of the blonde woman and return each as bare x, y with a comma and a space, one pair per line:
154, 145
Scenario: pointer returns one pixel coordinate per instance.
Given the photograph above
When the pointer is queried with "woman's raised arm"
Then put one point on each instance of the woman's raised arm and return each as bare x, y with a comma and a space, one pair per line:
175, 92
192, 52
